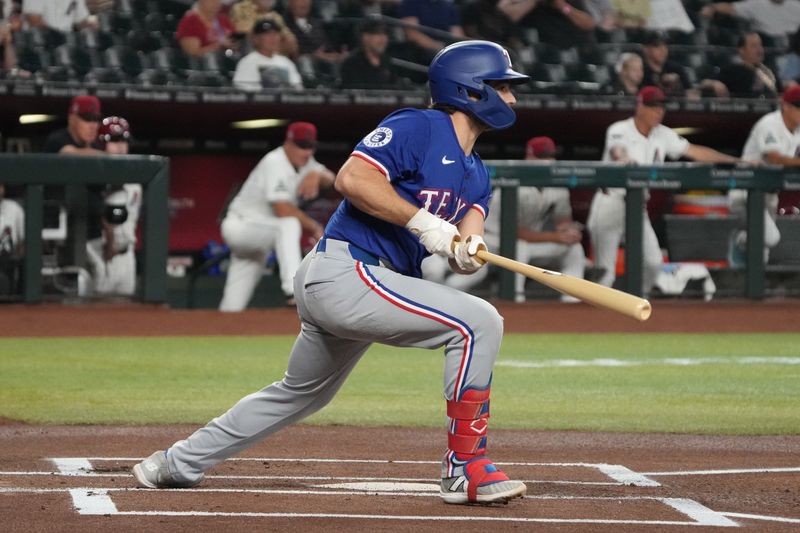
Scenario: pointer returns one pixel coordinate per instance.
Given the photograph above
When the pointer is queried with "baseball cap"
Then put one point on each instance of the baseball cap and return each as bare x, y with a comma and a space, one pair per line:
654, 38
651, 96
86, 106
792, 95
303, 134
540, 147
265, 25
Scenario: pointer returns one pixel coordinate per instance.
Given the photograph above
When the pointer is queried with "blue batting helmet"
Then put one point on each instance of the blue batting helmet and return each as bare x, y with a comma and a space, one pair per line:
462, 69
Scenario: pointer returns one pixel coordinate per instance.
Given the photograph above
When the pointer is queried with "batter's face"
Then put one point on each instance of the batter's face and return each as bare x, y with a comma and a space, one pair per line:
83, 131
504, 90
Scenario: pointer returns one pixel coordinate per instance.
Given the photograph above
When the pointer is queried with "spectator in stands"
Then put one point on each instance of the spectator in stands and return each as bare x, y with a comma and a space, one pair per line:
8, 56
317, 58
264, 216
203, 29
669, 15
639, 140
659, 70
564, 23
61, 16
771, 17
245, 13
748, 76
774, 139
603, 13
79, 137
12, 242
630, 72
546, 233
789, 70
441, 15
367, 66
632, 13
264, 67
485, 20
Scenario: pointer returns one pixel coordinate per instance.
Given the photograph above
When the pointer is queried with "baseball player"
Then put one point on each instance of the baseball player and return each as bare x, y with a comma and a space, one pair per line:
12, 241
775, 139
412, 187
546, 233
639, 140
112, 256
264, 216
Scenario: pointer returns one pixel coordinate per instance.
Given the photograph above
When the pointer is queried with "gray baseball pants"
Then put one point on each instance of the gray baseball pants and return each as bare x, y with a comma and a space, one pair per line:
345, 305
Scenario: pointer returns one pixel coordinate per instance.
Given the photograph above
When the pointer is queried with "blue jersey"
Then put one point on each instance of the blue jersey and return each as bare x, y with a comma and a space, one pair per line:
418, 152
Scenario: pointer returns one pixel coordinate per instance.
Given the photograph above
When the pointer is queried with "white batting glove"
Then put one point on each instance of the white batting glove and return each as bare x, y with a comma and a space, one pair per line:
435, 234
464, 254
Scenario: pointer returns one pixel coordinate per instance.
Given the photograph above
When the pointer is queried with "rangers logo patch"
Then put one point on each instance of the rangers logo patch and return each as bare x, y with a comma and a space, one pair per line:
379, 137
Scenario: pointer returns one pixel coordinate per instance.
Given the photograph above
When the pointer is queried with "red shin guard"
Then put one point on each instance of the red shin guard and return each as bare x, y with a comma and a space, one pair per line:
469, 422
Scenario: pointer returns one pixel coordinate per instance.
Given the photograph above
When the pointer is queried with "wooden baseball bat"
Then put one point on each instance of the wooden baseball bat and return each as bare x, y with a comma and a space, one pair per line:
592, 293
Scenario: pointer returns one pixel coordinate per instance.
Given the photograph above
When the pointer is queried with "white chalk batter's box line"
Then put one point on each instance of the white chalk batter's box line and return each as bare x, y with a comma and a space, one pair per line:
97, 501
621, 475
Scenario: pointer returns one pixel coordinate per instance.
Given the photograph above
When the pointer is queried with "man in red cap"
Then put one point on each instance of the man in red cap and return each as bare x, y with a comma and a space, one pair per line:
774, 139
264, 216
639, 140
83, 121
546, 233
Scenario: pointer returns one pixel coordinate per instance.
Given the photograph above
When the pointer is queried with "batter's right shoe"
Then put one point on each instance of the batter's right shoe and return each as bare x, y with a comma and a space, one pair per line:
153, 473
481, 483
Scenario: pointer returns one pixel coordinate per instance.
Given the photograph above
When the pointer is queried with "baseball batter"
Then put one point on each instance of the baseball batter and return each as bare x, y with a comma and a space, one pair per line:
112, 256
546, 233
264, 216
775, 139
412, 186
641, 140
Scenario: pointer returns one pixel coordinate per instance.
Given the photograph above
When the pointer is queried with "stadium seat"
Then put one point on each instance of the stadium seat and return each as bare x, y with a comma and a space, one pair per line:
569, 56
145, 40
126, 59
588, 73
591, 53
720, 36
105, 76
612, 37
59, 73
547, 53
33, 59
205, 79
157, 77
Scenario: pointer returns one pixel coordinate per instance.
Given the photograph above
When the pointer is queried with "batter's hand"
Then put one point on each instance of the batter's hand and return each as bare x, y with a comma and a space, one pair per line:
435, 234
464, 254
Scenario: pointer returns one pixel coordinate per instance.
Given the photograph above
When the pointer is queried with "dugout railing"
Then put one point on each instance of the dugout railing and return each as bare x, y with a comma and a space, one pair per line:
34, 171
510, 174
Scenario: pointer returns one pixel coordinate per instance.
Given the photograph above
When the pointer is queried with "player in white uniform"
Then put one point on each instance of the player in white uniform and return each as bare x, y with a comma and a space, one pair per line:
774, 139
12, 238
112, 256
264, 216
546, 233
641, 140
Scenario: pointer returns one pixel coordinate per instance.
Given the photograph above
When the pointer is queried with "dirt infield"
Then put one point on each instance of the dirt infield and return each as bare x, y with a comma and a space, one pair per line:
57, 478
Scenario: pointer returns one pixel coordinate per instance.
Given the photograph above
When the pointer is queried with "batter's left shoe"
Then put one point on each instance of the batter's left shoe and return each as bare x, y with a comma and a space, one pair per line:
153, 473
481, 483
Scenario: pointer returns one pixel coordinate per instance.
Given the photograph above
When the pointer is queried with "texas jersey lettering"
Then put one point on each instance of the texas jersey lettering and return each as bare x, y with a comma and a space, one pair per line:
406, 146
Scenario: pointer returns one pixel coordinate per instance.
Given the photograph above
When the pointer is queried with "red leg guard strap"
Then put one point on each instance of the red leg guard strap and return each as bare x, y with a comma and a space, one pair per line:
481, 471
465, 410
466, 444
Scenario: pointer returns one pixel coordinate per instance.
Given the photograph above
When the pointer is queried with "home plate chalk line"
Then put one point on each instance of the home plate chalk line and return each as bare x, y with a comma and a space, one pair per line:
98, 501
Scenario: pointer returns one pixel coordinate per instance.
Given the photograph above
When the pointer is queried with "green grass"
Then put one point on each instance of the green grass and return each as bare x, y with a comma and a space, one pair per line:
192, 379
